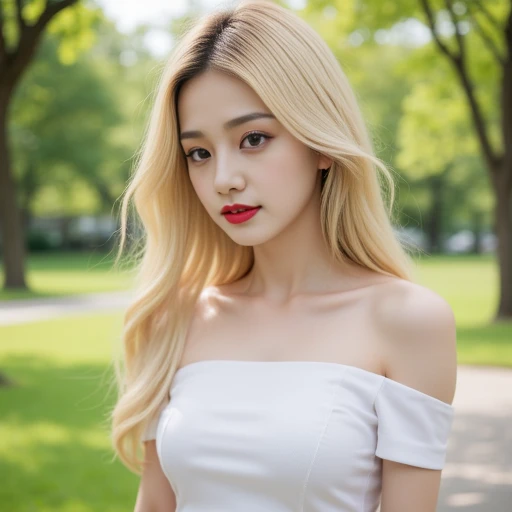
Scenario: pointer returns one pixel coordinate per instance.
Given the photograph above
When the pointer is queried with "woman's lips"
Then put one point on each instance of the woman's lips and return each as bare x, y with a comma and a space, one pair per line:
237, 218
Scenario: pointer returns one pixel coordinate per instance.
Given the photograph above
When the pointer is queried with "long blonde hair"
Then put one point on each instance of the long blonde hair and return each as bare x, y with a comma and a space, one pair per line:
183, 250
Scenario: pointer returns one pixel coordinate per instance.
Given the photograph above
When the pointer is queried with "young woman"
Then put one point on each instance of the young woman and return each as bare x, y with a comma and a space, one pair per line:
278, 356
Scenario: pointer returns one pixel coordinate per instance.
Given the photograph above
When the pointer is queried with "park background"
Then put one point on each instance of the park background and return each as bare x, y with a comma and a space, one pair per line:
74, 121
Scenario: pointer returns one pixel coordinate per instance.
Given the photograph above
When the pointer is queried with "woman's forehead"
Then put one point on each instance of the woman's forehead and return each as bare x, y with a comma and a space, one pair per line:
216, 96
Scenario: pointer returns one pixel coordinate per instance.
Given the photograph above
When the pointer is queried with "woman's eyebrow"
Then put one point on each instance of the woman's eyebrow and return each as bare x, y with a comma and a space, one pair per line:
229, 124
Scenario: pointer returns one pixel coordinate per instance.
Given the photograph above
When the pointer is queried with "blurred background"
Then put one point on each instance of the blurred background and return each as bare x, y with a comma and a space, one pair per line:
434, 81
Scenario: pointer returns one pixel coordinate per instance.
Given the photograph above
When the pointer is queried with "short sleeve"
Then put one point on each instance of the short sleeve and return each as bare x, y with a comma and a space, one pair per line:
150, 431
413, 427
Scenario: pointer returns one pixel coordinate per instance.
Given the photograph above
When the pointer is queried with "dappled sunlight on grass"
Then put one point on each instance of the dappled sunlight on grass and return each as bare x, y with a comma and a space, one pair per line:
55, 449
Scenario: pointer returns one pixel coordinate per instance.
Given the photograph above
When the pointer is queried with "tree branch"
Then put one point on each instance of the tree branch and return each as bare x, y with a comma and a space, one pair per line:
435, 35
19, 16
508, 37
29, 40
467, 85
492, 20
487, 40
455, 22
3, 48
51, 10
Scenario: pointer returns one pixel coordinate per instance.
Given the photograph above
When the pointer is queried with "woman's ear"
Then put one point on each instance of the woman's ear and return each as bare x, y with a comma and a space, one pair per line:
323, 161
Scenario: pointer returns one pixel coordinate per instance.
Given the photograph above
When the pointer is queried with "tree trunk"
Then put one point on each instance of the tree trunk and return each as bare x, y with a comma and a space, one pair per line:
504, 184
498, 162
13, 63
436, 211
503, 223
477, 231
13, 242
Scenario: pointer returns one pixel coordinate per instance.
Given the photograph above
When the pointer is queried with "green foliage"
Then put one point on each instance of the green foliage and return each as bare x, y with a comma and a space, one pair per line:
10, 28
76, 29
74, 127
57, 115
74, 26
413, 100
33, 10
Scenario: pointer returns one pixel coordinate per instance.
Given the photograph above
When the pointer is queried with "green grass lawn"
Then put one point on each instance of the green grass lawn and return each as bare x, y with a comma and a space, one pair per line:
55, 450
470, 285
55, 274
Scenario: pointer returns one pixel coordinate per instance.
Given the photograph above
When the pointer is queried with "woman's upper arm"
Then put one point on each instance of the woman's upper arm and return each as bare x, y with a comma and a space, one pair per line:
420, 336
407, 487
155, 492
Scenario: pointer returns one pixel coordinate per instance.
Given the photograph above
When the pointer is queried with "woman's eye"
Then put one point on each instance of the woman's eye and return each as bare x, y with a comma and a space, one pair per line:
251, 137
190, 153
255, 136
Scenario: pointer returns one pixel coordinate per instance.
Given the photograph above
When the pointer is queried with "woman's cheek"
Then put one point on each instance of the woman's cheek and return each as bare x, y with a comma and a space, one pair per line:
201, 189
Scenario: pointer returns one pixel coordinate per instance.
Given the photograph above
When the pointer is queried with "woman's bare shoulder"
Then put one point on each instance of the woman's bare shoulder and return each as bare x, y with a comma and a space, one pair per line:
417, 330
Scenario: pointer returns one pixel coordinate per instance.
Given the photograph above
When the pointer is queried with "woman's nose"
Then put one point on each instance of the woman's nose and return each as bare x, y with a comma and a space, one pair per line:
228, 174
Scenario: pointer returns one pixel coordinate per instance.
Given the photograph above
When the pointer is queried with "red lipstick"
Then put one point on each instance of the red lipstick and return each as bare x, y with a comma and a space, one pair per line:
237, 218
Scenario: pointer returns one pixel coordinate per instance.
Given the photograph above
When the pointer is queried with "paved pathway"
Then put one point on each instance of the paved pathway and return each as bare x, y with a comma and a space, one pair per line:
478, 473
31, 310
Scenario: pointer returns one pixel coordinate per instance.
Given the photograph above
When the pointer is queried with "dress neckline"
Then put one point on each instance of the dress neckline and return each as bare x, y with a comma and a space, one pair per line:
196, 365
191, 366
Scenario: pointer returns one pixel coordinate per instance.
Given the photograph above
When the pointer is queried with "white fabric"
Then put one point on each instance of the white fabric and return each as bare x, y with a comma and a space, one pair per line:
291, 436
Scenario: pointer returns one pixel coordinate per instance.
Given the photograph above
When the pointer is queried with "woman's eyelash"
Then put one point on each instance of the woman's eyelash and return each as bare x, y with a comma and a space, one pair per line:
260, 134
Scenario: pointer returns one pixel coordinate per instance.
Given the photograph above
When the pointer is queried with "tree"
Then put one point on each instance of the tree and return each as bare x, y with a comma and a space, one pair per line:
61, 136
497, 37
22, 25
452, 25
441, 152
72, 146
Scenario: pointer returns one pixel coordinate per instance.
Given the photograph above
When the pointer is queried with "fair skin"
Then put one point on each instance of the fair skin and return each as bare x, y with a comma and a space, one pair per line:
296, 293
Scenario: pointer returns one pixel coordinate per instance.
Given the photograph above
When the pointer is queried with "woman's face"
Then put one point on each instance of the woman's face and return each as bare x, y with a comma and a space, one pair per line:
255, 162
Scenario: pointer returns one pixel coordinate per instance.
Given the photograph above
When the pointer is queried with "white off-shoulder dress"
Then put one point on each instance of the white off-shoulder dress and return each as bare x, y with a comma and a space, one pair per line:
291, 436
